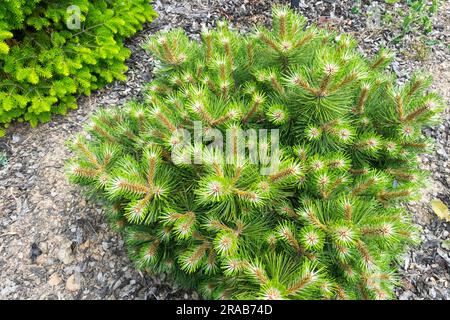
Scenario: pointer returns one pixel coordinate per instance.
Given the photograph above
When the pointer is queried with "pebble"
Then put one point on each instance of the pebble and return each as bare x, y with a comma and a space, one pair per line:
54, 280
65, 255
73, 283
15, 138
405, 295
35, 252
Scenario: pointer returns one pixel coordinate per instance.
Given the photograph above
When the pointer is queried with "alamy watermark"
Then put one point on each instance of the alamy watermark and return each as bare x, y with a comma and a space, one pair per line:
235, 145
73, 21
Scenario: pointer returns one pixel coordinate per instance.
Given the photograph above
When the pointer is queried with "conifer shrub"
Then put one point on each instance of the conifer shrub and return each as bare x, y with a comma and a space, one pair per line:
271, 165
44, 64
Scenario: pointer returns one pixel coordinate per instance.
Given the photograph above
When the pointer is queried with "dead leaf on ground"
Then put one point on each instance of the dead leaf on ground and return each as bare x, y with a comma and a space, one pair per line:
440, 209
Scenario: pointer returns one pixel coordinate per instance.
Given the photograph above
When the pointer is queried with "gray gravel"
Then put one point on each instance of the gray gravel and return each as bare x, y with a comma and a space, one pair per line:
56, 245
53, 243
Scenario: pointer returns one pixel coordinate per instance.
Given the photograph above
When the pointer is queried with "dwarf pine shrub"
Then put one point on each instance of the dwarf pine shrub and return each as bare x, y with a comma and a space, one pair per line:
271, 165
45, 61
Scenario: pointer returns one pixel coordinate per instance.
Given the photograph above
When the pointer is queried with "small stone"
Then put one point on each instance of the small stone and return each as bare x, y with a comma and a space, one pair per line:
405, 295
41, 260
65, 255
105, 245
116, 285
44, 247
73, 283
407, 261
100, 277
54, 280
444, 255
84, 245
17, 166
432, 293
15, 138
35, 252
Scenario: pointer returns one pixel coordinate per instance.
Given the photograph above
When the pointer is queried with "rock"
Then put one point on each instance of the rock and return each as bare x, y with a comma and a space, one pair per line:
444, 255
105, 245
54, 280
41, 260
65, 255
44, 247
73, 283
84, 245
407, 261
34, 252
17, 166
405, 295
432, 292
15, 138
116, 284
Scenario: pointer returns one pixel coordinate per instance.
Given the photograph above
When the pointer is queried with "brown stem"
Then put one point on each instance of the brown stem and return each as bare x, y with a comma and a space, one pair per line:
343, 82
282, 26
362, 187
415, 114
88, 154
304, 85
276, 84
103, 133
208, 42
300, 284
168, 52
166, 122
414, 87
378, 62
271, 43
227, 48
386, 196
362, 99
250, 54
304, 40
281, 174
358, 171
399, 104
419, 145
136, 187
255, 105
151, 171
222, 119
348, 211
91, 173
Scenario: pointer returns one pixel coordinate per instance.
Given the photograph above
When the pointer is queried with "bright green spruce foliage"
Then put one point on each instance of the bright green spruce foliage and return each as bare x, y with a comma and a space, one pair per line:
43, 64
327, 224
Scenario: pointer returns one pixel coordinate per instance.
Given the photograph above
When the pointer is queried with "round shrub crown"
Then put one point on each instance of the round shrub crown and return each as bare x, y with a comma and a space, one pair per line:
270, 165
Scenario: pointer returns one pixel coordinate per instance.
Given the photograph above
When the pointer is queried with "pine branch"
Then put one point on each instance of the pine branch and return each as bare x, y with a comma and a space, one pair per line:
314, 212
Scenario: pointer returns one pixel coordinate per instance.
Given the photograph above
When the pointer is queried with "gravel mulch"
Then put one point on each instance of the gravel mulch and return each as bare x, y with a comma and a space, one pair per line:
56, 245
